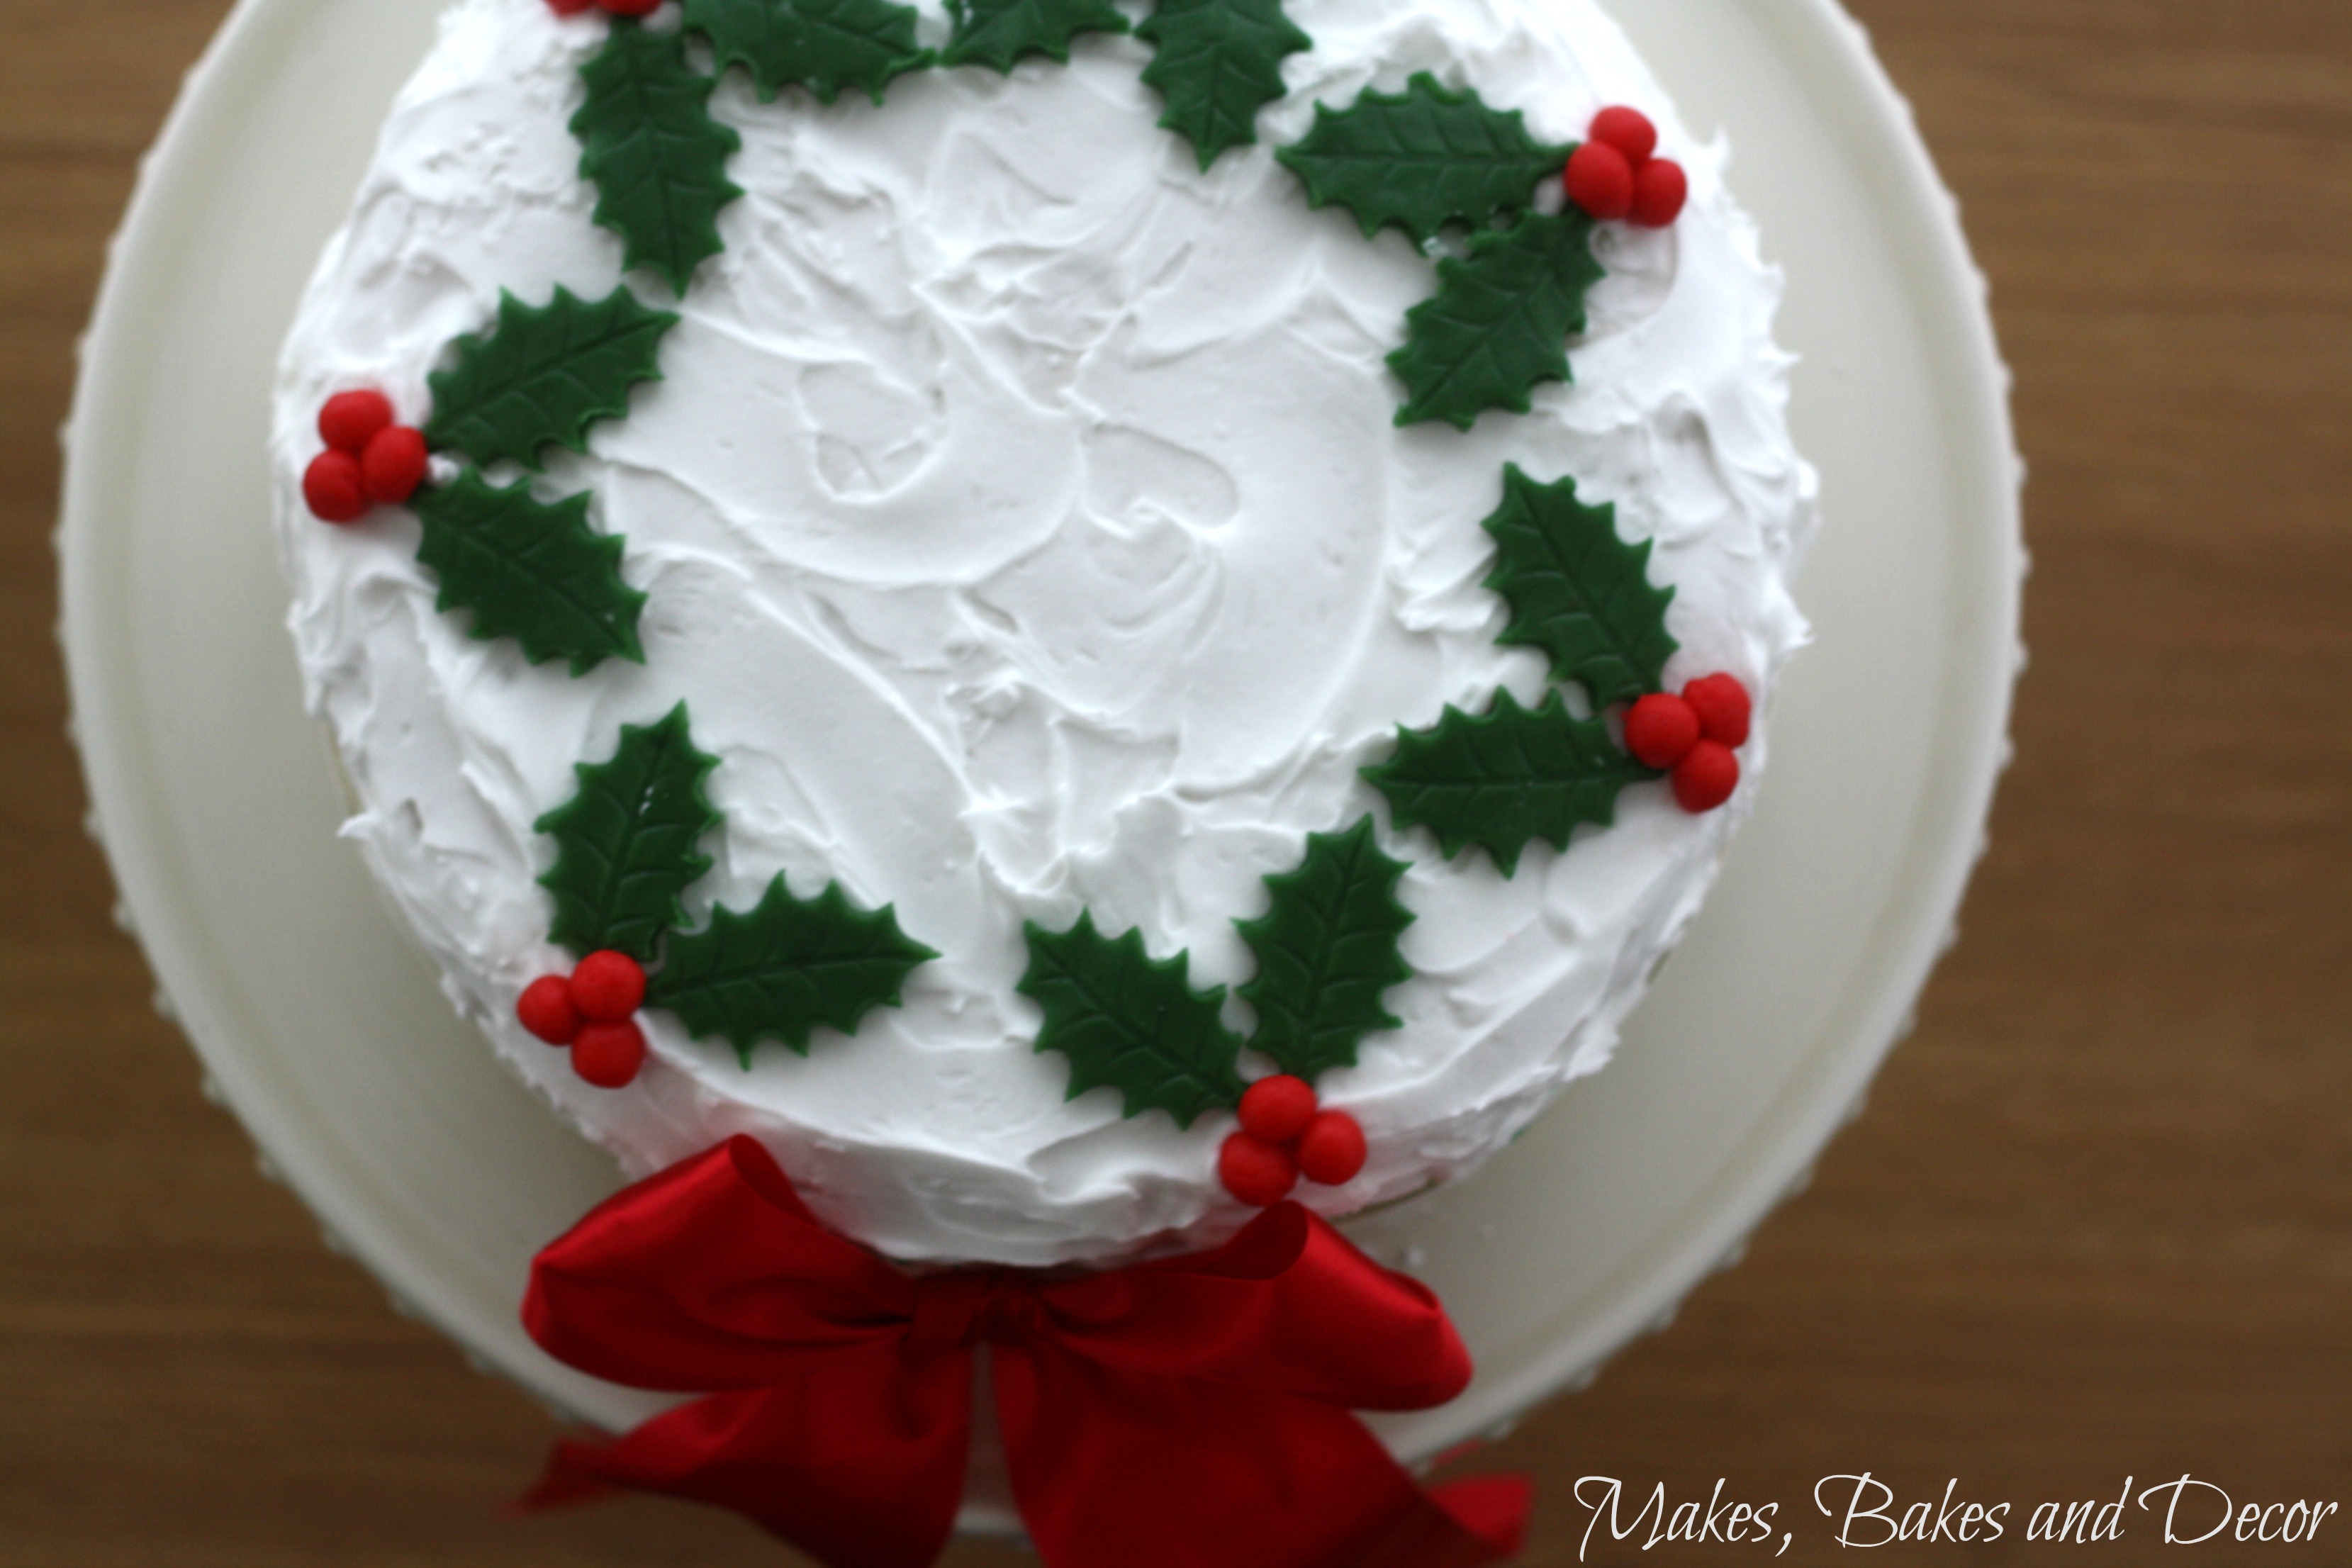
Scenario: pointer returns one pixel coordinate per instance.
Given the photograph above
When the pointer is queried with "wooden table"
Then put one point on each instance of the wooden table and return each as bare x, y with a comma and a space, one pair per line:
2096, 1224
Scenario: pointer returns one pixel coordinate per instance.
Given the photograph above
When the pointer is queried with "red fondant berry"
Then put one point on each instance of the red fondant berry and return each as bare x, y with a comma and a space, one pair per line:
608, 987
1256, 1172
350, 419
1705, 778
1278, 1108
1661, 728
570, 8
609, 1055
1627, 129
546, 1010
1601, 181
395, 465
1331, 1150
1659, 192
334, 488
1723, 707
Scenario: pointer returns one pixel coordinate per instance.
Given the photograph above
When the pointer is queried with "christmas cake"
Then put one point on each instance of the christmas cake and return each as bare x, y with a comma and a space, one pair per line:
948, 591
1045, 625
1024, 649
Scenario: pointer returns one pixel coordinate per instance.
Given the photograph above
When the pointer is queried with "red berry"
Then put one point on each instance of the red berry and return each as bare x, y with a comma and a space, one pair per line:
350, 419
334, 489
608, 987
1627, 129
394, 464
609, 1055
631, 7
1723, 707
1601, 181
1278, 1108
1659, 192
546, 1010
570, 8
1331, 1150
1706, 777
1661, 729
1256, 1172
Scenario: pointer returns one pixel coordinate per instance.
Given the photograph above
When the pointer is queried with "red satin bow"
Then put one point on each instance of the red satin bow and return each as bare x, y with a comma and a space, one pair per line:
1172, 1414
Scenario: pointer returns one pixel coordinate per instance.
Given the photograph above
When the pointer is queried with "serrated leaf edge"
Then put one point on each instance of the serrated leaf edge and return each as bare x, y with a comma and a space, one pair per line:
1521, 491
699, 793
798, 1041
726, 60
954, 55
1299, 161
1358, 840
630, 602
1179, 966
1450, 270
511, 311
636, 255
1294, 40
1503, 708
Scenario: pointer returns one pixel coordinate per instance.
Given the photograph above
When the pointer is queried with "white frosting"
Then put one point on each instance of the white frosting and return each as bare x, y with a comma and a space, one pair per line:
1024, 523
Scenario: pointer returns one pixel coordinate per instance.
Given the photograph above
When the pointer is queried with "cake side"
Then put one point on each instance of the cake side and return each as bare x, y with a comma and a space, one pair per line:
1023, 516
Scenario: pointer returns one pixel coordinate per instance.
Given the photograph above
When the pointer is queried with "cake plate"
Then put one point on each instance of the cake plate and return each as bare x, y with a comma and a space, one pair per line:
320, 1020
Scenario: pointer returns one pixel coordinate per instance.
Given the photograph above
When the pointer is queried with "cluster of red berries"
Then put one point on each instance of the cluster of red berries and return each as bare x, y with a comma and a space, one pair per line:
1616, 174
593, 1010
369, 461
618, 7
1694, 735
1284, 1136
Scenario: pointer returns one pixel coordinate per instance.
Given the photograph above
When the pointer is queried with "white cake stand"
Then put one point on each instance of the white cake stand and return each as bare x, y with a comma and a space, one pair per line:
218, 800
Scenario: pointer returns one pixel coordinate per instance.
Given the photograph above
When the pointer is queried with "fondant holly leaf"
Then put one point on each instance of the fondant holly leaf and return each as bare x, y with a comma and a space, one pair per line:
1579, 592
625, 842
1505, 779
1326, 951
1216, 63
1128, 1023
544, 374
530, 571
1421, 159
823, 45
659, 160
998, 32
1500, 321
785, 969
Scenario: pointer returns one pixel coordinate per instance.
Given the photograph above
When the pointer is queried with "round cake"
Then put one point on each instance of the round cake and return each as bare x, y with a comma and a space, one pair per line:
1075, 619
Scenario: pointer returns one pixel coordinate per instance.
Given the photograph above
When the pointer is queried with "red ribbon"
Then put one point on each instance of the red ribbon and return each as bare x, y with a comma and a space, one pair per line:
1171, 1415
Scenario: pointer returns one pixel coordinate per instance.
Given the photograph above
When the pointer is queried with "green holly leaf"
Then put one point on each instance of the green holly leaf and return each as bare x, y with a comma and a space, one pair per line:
1421, 159
823, 45
1500, 321
790, 967
1128, 1023
1326, 951
530, 571
656, 157
1579, 592
1505, 779
625, 841
1216, 63
544, 374
998, 32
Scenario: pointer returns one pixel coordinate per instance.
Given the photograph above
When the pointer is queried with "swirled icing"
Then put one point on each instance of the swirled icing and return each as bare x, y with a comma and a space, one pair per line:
1026, 526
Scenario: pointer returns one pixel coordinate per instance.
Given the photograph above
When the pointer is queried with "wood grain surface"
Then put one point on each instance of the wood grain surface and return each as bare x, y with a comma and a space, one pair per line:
2097, 1222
